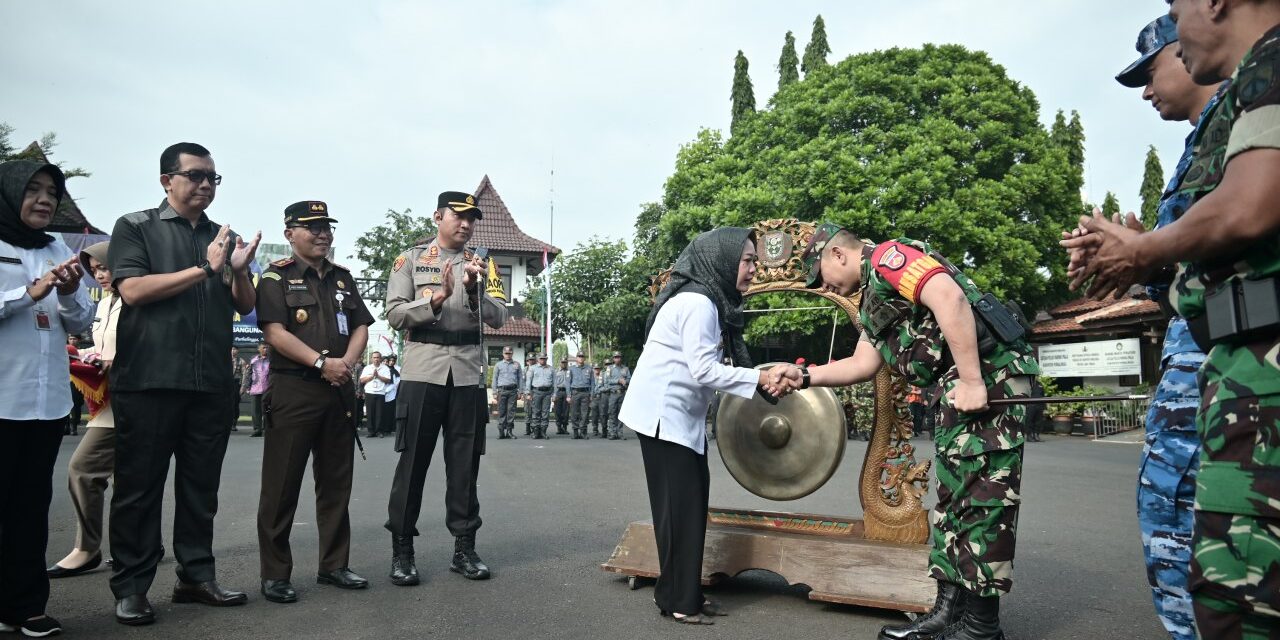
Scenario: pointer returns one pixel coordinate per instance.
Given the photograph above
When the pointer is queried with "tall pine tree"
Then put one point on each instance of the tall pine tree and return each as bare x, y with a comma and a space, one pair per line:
788, 63
743, 97
815, 53
1069, 136
1152, 188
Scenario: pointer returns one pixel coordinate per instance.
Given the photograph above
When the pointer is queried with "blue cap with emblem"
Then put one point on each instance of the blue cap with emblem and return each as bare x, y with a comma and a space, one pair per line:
1161, 32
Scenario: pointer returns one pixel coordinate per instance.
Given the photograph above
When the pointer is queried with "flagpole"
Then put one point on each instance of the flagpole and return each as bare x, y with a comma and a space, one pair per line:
546, 261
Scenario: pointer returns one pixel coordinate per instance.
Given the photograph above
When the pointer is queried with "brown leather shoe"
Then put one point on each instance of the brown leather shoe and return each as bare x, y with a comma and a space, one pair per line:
207, 593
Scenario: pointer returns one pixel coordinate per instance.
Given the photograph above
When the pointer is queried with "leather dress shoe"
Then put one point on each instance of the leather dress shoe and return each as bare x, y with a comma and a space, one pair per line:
134, 611
343, 578
207, 593
57, 571
278, 591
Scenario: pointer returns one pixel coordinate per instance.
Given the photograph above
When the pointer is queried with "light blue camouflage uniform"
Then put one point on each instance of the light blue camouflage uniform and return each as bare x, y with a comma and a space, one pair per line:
1171, 456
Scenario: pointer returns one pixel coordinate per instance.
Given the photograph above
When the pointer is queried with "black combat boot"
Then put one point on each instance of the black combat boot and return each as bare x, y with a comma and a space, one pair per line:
981, 620
403, 571
465, 559
946, 610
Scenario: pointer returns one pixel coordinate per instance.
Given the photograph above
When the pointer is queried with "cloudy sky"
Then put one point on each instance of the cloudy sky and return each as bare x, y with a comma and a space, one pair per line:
384, 103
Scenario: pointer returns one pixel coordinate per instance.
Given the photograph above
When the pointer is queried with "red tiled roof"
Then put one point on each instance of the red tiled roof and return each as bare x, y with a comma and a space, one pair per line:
1123, 309
1082, 314
1062, 325
1075, 307
499, 231
516, 328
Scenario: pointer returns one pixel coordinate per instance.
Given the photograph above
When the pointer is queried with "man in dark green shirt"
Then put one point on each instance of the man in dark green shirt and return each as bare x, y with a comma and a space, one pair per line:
181, 277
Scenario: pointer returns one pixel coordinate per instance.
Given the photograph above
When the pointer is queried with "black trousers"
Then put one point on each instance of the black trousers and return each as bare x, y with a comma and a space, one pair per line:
429, 410
309, 420
679, 486
389, 415
257, 412
374, 405
151, 427
28, 451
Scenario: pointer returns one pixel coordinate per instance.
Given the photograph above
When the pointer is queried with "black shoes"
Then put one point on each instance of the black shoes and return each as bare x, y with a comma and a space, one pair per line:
466, 561
207, 593
279, 591
343, 578
256, 434
56, 571
981, 620
403, 571
947, 609
134, 611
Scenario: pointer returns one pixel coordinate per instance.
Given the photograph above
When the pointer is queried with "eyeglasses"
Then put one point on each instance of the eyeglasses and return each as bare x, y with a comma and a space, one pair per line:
315, 228
197, 176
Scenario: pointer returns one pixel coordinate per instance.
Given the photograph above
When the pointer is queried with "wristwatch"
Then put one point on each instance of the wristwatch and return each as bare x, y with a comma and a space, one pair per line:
319, 363
208, 270
804, 376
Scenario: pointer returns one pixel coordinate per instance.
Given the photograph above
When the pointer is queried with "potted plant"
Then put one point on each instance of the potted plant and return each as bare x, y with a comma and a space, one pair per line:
1090, 413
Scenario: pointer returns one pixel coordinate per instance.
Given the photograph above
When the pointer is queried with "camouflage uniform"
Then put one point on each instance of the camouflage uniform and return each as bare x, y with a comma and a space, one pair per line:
979, 456
1171, 455
1235, 569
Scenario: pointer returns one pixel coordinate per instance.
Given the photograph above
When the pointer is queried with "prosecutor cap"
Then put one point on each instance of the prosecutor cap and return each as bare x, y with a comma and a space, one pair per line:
459, 201
307, 211
1155, 36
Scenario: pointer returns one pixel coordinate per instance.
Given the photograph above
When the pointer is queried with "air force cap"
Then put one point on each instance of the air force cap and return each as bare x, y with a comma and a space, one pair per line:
1161, 32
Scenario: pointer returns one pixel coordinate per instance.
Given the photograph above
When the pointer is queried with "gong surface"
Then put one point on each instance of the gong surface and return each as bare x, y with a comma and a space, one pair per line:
784, 451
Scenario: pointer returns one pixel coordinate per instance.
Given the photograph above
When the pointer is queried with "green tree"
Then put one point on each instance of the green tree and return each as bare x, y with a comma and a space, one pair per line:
596, 293
1152, 188
937, 144
47, 142
379, 246
788, 63
743, 96
1110, 205
816, 52
1070, 138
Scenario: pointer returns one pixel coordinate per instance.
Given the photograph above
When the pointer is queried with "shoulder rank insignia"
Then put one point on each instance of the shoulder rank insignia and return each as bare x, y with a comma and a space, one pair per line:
270, 275
398, 263
283, 262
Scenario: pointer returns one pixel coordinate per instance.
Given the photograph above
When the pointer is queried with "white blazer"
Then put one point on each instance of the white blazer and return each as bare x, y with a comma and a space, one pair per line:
679, 372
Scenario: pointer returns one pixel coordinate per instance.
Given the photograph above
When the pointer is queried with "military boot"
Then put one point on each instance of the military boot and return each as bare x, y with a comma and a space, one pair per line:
981, 620
947, 609
465, 559
403, 571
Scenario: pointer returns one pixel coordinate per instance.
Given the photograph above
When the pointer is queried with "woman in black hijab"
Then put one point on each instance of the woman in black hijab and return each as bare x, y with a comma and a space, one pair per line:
41, 301
696, 318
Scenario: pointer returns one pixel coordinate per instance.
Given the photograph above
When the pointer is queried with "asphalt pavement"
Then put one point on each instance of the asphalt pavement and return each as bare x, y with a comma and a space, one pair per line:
553, 511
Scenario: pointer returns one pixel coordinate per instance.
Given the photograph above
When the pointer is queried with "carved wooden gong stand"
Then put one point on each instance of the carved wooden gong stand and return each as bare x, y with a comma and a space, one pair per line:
879, 560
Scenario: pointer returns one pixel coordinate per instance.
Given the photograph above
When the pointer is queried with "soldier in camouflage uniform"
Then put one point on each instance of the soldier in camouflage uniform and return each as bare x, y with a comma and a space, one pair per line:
916, 317
1171, 456
1227, 287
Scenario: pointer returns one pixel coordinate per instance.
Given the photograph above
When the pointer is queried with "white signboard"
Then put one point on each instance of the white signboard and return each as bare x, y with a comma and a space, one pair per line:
1087, 359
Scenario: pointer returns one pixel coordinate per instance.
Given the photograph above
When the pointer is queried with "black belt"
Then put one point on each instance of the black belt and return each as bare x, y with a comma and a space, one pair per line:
310, 375
614, 390
507, 387
446, 338
581, 389
542, 388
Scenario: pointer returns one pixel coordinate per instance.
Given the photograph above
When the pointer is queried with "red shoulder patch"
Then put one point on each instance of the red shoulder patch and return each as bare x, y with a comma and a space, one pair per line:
905, 267
283, 262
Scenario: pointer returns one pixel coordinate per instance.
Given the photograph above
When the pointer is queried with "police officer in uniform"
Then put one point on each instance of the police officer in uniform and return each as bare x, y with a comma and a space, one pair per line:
579, 395
507, 381
616, 378
561, 384
541, 381
1227, 286
920, 315
597, 393
527, 394
312, 316
436, 295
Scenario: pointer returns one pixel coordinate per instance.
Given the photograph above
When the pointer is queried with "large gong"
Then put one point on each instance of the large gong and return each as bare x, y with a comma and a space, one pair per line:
784, 451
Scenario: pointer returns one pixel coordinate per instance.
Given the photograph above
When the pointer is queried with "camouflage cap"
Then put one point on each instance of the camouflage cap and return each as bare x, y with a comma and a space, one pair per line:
811, 257
1154, 37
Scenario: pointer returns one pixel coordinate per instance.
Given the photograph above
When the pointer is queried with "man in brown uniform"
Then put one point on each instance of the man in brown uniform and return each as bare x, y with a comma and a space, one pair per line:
435, 294
312, 316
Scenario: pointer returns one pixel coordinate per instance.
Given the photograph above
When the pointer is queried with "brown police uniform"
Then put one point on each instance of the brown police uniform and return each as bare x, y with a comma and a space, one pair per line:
307, 415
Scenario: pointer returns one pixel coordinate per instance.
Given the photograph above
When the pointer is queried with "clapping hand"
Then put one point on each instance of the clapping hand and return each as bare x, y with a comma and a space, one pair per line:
474, 269
1102, 250
244, 253
64, 277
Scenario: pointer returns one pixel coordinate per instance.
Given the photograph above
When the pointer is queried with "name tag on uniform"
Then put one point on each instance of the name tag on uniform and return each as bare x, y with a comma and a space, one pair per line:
342, 324
42, 320
10, 260
297, 287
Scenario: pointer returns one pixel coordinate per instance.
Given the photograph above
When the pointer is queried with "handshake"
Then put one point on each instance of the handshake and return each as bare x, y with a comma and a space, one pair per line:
781, 380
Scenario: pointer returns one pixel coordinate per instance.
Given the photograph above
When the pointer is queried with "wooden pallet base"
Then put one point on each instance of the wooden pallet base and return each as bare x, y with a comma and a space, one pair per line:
847, 569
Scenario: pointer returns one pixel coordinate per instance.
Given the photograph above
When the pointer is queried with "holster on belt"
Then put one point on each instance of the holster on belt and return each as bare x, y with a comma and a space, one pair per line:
1238, 311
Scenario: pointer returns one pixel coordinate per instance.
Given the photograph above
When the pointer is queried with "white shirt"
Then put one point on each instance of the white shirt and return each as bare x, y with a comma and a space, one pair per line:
390, 391
35, 381
375, 386
679, 372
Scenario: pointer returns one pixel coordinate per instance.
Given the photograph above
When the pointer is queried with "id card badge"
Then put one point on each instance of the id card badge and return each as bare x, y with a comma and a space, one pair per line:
42, 320
342, 324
